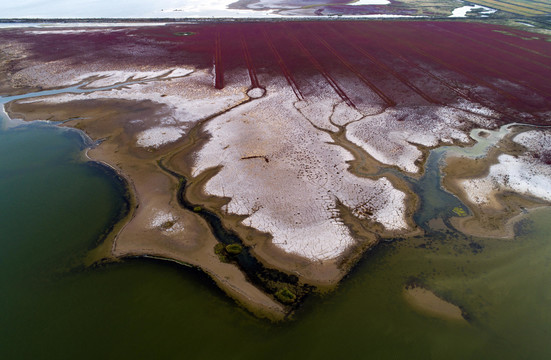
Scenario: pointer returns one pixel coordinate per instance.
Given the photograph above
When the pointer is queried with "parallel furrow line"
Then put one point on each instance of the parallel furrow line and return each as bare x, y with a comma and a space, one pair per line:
290, 80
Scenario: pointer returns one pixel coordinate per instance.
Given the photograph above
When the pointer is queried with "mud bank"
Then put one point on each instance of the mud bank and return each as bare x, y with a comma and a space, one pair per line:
291, 140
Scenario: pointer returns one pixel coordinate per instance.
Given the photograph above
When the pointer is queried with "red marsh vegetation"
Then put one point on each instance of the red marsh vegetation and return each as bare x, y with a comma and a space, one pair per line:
365, 63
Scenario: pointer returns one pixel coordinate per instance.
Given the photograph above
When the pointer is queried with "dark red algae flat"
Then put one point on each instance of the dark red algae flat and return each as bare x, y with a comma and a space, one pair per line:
394, 62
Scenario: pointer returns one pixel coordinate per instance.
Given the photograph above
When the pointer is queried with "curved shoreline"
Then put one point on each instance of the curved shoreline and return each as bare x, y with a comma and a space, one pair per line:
113, 247
353, 200
496, 219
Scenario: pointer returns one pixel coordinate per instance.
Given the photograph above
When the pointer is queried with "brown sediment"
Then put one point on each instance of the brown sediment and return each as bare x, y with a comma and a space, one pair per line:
152, 190
186, 237
426, 302
496, 218
323, 274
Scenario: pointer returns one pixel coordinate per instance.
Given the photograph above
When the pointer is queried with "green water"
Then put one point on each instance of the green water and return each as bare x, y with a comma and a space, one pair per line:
53, 207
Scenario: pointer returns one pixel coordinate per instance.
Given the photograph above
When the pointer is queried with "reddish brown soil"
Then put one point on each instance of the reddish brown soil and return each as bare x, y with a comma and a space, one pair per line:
394, 62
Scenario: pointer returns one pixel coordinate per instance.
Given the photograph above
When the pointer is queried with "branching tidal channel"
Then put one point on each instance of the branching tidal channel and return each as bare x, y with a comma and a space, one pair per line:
271, 281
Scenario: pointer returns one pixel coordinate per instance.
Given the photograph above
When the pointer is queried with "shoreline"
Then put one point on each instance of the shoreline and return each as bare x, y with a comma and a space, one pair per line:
497, 218
118, 245
334, 270
114, 248
305, 204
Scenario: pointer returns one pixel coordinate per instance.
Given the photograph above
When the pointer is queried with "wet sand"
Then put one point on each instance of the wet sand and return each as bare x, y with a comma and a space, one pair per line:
426, 302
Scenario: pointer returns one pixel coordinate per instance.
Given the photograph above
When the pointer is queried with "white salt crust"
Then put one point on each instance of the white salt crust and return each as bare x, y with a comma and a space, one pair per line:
527, 174
186, 99
158, 136
278, 164
165, 221
393, 136
287, 177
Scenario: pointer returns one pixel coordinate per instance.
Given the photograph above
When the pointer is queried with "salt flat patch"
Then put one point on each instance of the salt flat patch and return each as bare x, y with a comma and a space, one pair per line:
186, 99
256, 93
527, 174
158, 136
61, 73
166, 221
50, 25
370, 2
393, 136
463, 10
68, 31
288, 178
107, 78
344, 114
160, 218
535, 141
318, 110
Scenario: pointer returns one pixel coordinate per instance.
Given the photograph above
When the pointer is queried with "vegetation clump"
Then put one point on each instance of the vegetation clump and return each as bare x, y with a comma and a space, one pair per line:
459, 211
225, 252
234, 249
285, 296
167, 225
220, 250
197, 209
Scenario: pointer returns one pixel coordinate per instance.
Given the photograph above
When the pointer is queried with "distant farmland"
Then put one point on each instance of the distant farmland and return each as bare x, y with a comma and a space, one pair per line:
519, 7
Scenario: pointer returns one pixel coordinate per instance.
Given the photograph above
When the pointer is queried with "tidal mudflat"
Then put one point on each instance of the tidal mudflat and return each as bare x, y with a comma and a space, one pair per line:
273, 155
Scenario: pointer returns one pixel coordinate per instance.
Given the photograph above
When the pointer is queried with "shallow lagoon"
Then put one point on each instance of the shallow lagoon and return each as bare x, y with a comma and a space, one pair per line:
54, 207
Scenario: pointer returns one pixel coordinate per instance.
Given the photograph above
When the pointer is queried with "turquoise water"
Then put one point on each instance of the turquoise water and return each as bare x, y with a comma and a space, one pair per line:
54, 206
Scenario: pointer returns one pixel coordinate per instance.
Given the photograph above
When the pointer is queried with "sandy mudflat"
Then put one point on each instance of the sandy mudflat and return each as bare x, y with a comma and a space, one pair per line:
292, 138
426, 302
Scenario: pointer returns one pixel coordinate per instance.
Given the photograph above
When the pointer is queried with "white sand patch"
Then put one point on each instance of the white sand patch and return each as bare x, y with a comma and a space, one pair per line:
256, 93
155, 137
392, 137
528, 174
520, 175
287, 177
463, 10
534, 140
166, 221
108, 78
69, 31
370, 2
